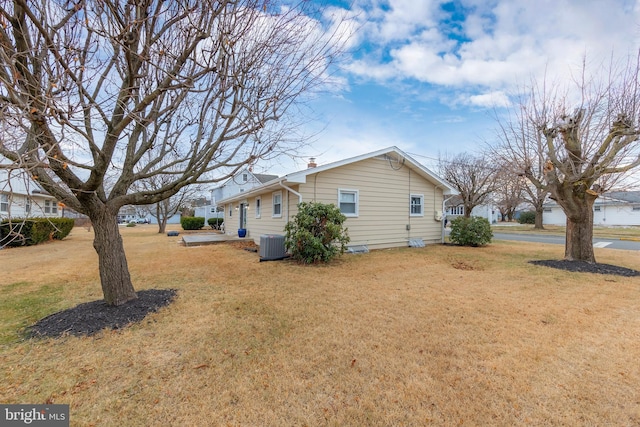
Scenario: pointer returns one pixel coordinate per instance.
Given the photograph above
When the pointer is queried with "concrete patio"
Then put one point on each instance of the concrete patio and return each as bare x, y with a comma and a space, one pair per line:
209, 239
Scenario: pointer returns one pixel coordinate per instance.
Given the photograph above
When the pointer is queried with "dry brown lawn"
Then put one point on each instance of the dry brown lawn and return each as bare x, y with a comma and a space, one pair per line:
441, 335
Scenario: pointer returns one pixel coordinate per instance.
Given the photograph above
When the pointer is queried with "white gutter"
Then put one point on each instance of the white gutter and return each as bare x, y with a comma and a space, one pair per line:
294, 192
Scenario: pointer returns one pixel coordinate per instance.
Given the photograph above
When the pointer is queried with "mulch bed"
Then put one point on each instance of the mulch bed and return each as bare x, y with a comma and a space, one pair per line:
92, 317
587, 267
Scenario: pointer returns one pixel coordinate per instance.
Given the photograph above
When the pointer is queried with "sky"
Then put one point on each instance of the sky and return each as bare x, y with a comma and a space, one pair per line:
430, 76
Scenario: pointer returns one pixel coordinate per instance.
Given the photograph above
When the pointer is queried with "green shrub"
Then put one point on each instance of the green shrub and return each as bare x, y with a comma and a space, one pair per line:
27, 232
215, 222
528, 217
63, 227
192, 222
131, 224
316, 233
473, 231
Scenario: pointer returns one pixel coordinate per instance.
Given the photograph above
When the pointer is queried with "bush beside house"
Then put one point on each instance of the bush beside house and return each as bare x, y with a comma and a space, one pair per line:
528, 217
215, 222
27, 232
474, 231
316, 233
192, 222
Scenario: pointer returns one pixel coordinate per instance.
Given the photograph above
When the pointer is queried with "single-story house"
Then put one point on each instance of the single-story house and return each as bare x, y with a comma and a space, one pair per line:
615, 208
21, 197
388, 199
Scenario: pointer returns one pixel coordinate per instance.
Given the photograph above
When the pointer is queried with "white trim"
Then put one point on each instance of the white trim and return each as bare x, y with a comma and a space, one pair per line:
419, 196
258, 209
273, 204
356, 201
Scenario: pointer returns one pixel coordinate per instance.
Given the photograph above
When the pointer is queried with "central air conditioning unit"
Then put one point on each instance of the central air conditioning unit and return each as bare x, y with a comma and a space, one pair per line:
272, 247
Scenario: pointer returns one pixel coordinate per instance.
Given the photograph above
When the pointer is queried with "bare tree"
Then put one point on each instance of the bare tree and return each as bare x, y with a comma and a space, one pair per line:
588, 132
508, 192
90, 88
521, 148
165, 209
473, 176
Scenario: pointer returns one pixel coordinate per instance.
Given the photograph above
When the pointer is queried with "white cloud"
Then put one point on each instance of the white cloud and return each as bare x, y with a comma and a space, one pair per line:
490, 100
502, 44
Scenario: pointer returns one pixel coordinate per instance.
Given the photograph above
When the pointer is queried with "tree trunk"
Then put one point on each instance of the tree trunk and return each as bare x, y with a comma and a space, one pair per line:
579, 240
114, 271
162, 219
162, 225
538, 221
578, 207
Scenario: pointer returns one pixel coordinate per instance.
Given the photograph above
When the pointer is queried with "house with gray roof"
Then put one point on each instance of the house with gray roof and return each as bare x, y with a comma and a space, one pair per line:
614, 208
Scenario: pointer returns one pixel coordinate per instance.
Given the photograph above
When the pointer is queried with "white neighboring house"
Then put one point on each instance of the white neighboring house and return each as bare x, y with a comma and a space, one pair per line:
21, 197
244, 180
615, 208
455, 208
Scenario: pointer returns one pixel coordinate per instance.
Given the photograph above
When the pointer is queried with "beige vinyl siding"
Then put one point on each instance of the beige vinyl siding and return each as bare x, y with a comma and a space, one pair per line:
267, 224
383, 202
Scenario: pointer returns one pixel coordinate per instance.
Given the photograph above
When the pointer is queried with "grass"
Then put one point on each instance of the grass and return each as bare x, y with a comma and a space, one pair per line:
440, 335
629, 232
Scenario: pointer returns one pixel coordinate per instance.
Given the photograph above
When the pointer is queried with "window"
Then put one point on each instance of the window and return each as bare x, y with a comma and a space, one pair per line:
27, 205
547, 210
635, 208
277, 204
455, 210
258, 206
47, 206
416, 205
596, 208
245, 177
230, 211
4, 203
348, 201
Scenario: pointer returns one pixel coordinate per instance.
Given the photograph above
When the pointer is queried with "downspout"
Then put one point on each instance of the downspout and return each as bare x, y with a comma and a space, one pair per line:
294, 192
444, 215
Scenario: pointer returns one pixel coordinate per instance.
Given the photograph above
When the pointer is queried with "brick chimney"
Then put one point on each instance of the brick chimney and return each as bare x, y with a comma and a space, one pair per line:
312, 163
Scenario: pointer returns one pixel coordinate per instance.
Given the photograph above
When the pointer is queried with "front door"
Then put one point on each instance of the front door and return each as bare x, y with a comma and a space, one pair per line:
243, 215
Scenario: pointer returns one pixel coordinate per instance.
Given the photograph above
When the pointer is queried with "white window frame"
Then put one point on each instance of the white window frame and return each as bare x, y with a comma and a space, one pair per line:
258, 206
50, 207
356, 202
27, 204
4, 203
274, 204
411, 205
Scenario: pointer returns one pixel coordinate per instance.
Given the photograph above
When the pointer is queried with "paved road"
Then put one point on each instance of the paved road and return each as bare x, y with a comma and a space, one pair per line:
597, 242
